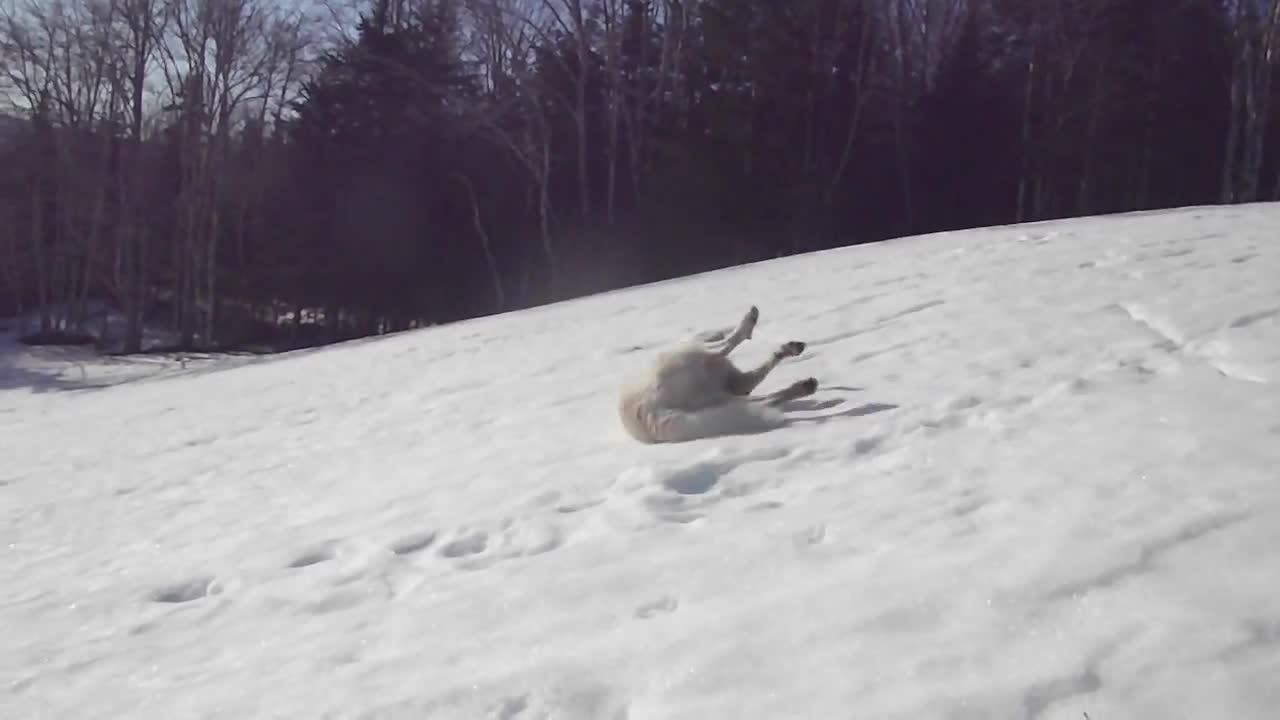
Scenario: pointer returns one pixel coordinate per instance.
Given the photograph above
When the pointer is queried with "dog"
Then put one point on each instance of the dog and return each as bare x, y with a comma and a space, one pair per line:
694, 391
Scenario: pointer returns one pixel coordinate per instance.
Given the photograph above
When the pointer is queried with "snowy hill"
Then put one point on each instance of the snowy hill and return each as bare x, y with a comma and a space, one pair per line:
1040, 479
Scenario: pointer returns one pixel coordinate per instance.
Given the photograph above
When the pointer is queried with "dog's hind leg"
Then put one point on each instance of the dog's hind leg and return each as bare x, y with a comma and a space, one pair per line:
795, 391
722, 343
743, 383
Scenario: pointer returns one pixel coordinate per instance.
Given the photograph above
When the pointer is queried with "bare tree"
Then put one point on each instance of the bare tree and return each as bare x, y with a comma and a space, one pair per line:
216, 60
612, 14
516, 115
1052, 38
1255, 38
919, 34
541, 21
570, 20
860, 75
142, 24
641, 85
59, 60
491, 261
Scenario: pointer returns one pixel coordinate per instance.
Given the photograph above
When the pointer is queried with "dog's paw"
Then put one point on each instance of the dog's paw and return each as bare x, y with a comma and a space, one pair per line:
750, 319
791, 349
808, 386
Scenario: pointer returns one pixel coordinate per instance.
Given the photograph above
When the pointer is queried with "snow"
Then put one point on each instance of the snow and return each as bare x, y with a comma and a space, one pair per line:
1040, 479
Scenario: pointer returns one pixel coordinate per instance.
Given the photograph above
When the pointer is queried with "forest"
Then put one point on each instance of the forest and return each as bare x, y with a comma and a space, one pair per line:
272, 175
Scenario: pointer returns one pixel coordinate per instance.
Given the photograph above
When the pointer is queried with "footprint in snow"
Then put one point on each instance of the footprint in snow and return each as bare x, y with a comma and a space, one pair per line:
813, 535
564, 701
954, 415
187, 591
676, 493
413, 543
661, 606
573, 506
1255, 317
313, 556
468, 544
697, 479
702, 477
866, 445
478, 548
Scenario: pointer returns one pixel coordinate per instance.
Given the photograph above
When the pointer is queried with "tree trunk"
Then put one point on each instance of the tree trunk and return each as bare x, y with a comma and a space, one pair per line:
14, 267
580, 106
41, 261
1228, 191
1148, 132
1083, 190
499, 293
1024, 177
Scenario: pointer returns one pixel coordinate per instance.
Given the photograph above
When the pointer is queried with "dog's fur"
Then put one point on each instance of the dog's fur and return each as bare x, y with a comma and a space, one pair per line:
694, 391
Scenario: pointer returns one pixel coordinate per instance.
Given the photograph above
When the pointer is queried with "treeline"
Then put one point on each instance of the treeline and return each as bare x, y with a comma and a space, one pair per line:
239, 173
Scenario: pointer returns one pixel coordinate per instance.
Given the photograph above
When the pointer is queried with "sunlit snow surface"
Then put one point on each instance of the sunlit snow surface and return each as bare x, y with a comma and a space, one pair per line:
1041, 478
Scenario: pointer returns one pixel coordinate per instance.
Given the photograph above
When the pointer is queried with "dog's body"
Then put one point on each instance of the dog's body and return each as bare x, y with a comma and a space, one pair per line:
694, 391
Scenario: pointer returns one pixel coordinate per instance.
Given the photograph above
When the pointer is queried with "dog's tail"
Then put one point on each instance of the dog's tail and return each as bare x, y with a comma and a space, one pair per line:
738, 416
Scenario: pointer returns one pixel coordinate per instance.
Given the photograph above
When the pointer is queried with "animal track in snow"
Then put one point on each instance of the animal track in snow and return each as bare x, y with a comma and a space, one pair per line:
1147, 555
954, 414
877, 324
313, 556
476, 548
511, 707
672, 509
413, 543
575, 700
921, 307
812, 535
1043, 696
861, 357
891, 280
661, 606
523, 538
964, 402
574, 506
827, 312
469, 544
839, 337
695, 479
968, 505
1255, 317
677, 493
187, 590
704, 476
866, 445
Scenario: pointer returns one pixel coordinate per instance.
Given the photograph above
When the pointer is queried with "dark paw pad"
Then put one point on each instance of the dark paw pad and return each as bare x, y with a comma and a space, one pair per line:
791, 349
808, 386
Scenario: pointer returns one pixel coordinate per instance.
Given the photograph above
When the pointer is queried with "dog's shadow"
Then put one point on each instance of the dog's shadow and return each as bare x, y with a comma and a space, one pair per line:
830, 404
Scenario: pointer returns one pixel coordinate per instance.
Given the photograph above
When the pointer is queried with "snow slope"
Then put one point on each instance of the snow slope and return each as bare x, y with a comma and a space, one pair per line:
1040, 479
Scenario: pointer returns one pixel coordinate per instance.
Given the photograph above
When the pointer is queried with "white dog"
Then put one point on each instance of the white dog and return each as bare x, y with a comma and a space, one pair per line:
694, 391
